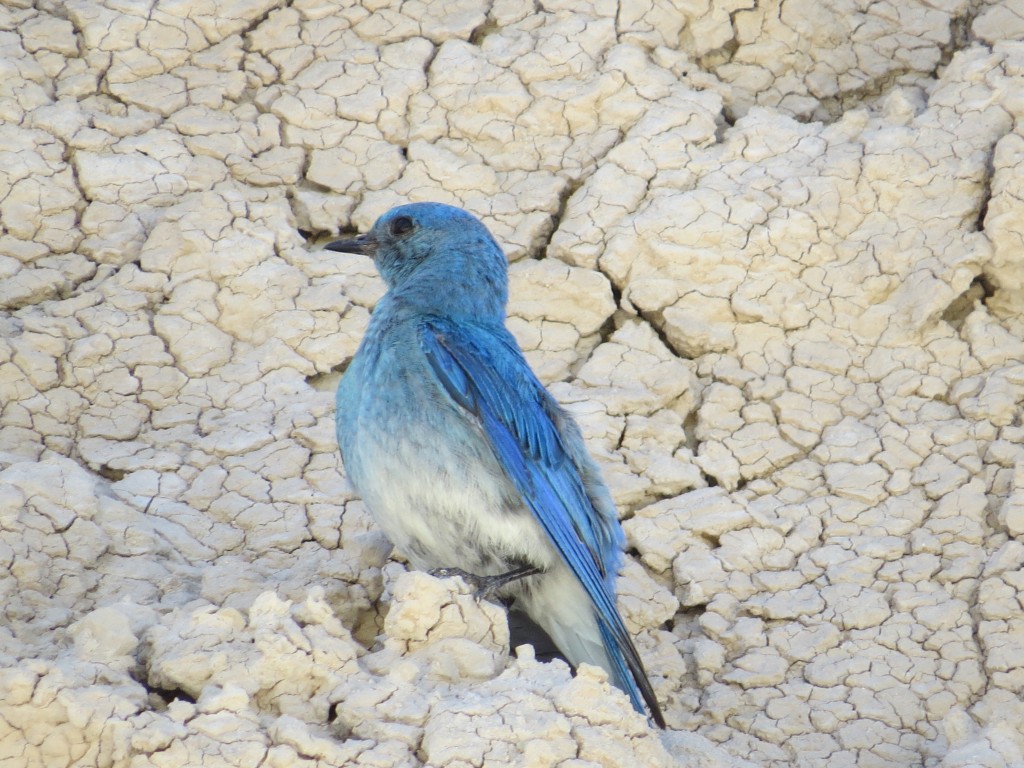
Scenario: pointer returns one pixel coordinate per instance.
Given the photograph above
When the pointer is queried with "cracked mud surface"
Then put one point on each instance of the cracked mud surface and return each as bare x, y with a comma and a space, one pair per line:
770, 255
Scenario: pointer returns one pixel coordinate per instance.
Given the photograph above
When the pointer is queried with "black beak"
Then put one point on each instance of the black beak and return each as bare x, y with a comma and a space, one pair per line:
364, 245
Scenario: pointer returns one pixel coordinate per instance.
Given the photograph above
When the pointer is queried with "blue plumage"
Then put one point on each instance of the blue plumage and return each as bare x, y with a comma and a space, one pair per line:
460, 453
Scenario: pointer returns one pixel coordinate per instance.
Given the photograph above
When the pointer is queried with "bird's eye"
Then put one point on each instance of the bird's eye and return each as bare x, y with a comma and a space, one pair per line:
402, 225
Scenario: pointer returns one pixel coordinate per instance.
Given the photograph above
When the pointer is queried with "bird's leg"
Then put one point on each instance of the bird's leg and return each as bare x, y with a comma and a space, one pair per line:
486, 586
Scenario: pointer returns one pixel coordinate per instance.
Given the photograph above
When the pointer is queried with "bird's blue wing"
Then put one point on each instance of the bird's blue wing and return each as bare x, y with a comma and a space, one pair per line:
485, 373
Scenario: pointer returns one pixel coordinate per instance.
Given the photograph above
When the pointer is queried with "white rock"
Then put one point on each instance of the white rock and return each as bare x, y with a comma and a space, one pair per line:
810, 314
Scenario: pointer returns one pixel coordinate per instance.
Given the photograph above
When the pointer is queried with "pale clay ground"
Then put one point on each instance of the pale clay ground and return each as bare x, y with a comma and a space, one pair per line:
771, 257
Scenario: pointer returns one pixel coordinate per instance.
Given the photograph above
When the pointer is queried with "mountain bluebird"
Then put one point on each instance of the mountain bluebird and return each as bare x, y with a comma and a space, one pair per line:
460, 454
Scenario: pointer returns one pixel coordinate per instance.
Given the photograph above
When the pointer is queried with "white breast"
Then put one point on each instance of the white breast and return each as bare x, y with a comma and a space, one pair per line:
430, 479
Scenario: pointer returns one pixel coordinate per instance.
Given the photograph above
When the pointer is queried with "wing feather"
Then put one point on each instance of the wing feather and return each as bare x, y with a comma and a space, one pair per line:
485, 373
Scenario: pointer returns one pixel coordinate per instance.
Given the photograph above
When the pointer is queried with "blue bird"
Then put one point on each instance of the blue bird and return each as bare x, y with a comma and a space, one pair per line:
462, 456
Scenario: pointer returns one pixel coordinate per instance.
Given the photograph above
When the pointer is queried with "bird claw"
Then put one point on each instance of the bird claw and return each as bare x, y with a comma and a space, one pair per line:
449, 573
485, 587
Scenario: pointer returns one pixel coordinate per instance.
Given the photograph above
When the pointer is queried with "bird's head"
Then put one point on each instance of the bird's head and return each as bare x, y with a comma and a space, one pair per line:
436, 254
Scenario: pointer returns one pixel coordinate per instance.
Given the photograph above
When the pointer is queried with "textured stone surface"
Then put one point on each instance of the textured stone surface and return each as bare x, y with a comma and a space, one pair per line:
769, 254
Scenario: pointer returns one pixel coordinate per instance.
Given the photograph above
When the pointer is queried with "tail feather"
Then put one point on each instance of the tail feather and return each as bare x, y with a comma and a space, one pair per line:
559, 604
629, 675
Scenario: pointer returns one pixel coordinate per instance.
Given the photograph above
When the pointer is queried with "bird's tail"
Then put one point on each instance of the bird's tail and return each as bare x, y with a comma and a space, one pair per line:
560, 605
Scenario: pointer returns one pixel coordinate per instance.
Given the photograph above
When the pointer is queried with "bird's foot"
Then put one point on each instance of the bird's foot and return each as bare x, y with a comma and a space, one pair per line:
485, 587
